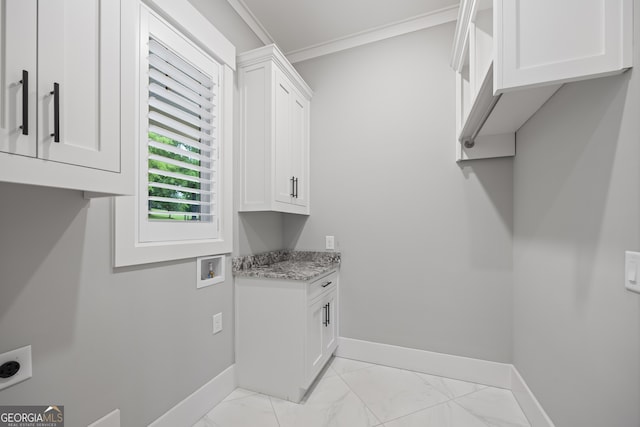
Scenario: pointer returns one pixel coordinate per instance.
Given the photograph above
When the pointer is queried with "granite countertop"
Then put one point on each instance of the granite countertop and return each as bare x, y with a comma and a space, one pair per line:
285, 264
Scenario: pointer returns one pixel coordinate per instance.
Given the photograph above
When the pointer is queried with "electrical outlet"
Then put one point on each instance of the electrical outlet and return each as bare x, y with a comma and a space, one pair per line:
16, 366
217, 323
330, 243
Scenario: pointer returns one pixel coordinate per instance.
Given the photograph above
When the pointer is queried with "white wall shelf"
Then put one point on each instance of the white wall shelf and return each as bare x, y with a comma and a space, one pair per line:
512, 56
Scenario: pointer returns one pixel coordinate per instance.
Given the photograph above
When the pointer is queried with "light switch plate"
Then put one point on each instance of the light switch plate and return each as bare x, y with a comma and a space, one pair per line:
217, 323
632, 271
330, 243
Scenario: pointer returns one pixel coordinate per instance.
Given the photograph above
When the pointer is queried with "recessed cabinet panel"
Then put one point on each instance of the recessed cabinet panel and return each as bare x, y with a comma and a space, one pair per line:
314, 343
79, 77
283, 176
547, 41
256, 129
299, 155
330, 332
18, 38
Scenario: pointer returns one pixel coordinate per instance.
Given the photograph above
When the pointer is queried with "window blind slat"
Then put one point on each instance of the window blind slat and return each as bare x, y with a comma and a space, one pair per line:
181, 138
181, 114
178, 151
189, 178
176, 125
185, 103
177, 213
178, 88
185, 165
178, 75
179, 201
175, 188
172, 58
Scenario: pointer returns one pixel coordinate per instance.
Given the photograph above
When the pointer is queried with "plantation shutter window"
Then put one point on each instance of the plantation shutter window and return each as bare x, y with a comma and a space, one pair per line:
179, 149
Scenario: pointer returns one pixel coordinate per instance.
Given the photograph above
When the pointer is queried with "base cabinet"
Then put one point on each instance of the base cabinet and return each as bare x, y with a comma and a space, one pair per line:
286, 331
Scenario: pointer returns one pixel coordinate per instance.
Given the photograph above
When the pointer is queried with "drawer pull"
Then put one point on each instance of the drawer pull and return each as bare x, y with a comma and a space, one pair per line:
326, 284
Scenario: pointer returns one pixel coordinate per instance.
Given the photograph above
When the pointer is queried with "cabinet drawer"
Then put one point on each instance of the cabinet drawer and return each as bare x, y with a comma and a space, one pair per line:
322, 285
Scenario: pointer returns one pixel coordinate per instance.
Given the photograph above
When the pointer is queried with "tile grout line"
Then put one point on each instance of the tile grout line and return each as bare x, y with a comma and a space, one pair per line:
449, 399
275, 414
380, 423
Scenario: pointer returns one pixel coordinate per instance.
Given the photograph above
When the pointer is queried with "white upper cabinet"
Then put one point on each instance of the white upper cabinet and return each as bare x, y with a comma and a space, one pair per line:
79, 50
72, 113
18, 62
510, 56
274, 133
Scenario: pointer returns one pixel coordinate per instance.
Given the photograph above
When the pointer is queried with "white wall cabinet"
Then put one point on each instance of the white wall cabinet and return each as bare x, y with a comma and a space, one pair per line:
60, 109
274, 133
286, 331
511, 56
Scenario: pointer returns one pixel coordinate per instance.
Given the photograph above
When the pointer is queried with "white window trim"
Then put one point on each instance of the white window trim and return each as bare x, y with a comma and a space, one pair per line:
128, 250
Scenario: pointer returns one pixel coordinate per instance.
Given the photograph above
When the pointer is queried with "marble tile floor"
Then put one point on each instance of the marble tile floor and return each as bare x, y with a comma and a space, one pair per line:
350, 393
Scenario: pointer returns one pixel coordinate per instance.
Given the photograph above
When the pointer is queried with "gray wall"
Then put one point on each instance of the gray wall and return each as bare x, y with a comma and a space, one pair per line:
138, 339
577, 209
427, 246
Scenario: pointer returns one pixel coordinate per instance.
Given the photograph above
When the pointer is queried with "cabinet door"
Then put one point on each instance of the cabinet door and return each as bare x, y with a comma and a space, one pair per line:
316, 317
299, 147
330, 331
282, 144
18, 38
79, 49
548, 41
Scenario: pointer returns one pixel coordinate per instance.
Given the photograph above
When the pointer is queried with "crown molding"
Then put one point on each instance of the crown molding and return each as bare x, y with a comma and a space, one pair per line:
394, 29
273, 53
247, 16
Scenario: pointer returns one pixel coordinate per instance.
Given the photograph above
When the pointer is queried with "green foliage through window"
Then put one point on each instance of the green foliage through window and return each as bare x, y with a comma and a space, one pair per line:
165, 210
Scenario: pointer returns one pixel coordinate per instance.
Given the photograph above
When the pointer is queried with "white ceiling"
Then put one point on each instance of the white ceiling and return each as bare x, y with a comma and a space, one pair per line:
297, 24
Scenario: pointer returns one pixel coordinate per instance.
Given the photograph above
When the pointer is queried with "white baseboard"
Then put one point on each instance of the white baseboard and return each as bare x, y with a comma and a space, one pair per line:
444, 365
530, 406
201, 401
502, 375
112, 419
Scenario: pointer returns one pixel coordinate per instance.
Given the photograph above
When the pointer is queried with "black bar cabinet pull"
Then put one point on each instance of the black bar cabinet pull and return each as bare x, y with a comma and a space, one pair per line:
296, 192
325, 322
56, 112
326, 284
25, 102
328, 313
292, 194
